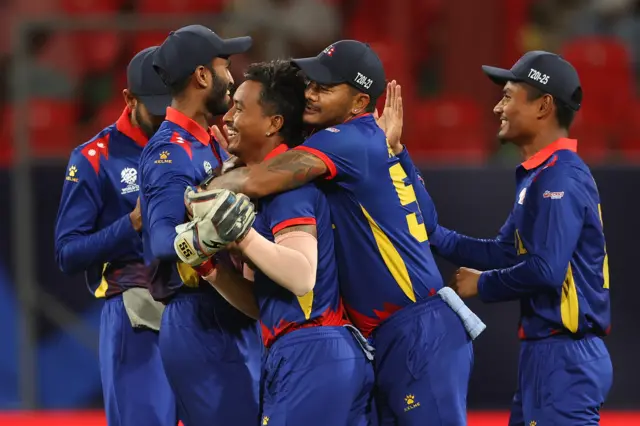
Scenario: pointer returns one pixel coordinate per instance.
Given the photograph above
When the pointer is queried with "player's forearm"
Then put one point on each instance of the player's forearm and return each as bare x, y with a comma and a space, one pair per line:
162, 235
291, 263
236, 289
77, 253
475, 253
533, 275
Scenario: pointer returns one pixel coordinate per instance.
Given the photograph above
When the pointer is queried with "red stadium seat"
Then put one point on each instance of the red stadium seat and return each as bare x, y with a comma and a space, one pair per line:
449, 129
593, 134
180, 6
51, 126
142, 40
629, 142
606, 74
91, 7
97, 50
109, 113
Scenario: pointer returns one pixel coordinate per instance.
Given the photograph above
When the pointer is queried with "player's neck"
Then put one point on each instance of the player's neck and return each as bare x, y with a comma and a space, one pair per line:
258, 155
133, 120
194, 112
541, 141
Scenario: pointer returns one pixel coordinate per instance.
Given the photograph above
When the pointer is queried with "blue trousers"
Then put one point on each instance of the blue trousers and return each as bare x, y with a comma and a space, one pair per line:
317, 376
212, 356
423, 363
135, 388
561, 381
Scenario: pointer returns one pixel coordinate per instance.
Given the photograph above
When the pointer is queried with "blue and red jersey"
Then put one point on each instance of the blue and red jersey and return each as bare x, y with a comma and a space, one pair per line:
93, 231
551, 252
181, 153
280, 310
381, 239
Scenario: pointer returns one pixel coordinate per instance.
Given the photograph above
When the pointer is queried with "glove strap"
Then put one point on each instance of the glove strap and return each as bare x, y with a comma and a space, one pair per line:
205, 268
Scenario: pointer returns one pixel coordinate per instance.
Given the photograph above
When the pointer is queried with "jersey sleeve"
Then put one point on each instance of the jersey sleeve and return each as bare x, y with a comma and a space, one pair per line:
344, 157
477, 253
293, 208
166, 172
551, 226
78, 244
426, 204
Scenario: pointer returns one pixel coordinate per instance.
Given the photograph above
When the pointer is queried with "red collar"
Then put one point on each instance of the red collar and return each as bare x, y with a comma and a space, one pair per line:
543, 155
196, 130
276, 151
127, 128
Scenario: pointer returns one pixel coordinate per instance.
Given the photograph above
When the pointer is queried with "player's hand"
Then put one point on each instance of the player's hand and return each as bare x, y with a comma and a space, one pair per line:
232, 163
391, 120
136, 217
465, 282
230, 215
219, 136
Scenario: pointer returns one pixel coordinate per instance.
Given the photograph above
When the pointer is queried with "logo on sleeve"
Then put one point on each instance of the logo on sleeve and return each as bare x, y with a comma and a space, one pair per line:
332, 129
553, 195
523, 193
207, 167
411, 402
164, 158
71, 174
129, 177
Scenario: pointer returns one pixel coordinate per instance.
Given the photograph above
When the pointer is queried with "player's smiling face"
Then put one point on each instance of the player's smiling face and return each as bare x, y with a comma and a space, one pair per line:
247, 123
327, 105
517, 114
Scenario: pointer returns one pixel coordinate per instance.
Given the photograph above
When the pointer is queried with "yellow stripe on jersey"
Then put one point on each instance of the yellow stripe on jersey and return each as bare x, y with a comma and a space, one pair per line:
407, 195
569, 309
306, 304
188, 275
605, 265
101, 291
391, 257
519, 245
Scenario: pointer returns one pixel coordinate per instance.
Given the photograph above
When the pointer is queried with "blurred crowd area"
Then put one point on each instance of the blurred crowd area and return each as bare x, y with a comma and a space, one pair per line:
432, 47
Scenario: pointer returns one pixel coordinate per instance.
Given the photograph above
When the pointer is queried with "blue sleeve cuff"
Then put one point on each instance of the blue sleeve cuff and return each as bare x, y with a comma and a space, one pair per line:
486, 283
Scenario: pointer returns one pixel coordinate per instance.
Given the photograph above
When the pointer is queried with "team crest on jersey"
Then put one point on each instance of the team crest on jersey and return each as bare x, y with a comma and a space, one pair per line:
129, 177
71, 174
164, 158
207, 167
332, 129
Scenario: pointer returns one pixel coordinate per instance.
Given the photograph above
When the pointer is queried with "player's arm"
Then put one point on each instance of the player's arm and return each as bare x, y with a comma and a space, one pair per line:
477, 253
163, 184
78, 244
552, 223
236, 288
292, 260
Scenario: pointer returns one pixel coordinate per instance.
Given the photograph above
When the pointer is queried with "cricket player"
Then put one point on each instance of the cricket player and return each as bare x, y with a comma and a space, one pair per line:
550, 254
389, 279
210, 351
316, 373
98, 232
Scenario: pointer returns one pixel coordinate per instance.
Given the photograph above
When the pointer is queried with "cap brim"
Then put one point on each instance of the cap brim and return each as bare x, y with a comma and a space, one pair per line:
235, 46
156, 104
499, 75
316, 71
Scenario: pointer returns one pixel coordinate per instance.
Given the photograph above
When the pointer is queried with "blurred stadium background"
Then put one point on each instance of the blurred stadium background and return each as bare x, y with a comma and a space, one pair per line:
62, 68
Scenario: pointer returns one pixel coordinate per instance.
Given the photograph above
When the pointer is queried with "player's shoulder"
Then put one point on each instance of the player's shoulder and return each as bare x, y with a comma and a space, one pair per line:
166, 142
95, 150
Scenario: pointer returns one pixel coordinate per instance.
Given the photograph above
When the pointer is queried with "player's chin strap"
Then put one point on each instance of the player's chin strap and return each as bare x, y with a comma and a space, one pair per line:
472, 323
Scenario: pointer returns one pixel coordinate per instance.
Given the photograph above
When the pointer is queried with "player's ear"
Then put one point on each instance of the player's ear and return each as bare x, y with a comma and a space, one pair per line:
360, 103
277, 121
545, 106
129, 99
200, 74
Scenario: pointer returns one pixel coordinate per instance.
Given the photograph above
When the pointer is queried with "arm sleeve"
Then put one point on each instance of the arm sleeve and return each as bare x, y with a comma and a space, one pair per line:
166, 174
292, 208
78, 244
551, 226
477, 253
426, 204
345, 157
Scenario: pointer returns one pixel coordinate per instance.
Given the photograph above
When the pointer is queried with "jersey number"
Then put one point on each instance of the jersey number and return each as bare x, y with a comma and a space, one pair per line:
605, 265
408, 197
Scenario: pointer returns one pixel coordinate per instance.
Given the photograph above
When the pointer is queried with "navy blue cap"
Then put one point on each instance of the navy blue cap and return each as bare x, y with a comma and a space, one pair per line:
145, 83
350, 62
545, 71
192, 46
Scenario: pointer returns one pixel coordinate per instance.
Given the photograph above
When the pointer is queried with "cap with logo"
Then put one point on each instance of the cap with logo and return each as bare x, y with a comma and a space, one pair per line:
347, 61
145, 84
190, 47
546, 71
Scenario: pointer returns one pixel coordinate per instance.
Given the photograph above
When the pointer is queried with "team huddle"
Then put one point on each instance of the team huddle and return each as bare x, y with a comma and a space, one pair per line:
281, 271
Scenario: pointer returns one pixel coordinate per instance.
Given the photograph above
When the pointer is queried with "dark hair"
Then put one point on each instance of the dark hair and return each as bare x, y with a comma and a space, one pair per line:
282, 93
178, 87
564, 114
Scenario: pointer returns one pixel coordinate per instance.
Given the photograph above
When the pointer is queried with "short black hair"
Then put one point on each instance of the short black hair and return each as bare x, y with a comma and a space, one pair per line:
564, 114
177, 88
283, 93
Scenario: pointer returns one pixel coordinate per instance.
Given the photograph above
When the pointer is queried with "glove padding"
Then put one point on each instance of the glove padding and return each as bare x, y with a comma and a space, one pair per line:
220, 217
